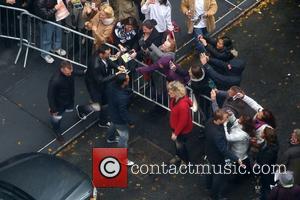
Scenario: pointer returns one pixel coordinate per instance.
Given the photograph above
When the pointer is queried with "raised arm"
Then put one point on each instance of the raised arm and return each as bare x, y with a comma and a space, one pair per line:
252, 103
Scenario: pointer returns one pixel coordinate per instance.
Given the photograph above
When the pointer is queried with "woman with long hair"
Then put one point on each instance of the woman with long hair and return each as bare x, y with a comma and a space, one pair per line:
125, 33
264, 118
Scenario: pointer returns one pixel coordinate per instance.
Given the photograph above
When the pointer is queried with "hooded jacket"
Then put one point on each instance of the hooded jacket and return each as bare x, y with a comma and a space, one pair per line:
181, 116
170, 74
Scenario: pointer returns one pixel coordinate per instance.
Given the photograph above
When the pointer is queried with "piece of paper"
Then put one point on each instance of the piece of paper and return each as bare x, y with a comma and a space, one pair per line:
62, 12
126, 57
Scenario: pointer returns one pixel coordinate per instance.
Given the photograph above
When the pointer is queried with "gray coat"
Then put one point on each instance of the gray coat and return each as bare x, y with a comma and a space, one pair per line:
291, 159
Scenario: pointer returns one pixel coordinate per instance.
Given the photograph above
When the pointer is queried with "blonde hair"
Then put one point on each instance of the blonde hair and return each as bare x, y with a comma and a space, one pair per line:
178, 88
107, 9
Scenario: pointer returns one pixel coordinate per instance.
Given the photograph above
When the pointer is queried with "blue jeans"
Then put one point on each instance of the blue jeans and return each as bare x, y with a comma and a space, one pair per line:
123, 132
199, 46
50, 37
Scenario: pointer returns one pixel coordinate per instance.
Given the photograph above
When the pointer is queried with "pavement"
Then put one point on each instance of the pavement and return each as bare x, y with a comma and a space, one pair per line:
23, 105
269, 40
24, 112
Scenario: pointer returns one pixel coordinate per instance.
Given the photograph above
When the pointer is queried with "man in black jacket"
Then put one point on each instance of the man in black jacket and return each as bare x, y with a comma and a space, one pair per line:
216, 149
61, 95
50, 35
98, 74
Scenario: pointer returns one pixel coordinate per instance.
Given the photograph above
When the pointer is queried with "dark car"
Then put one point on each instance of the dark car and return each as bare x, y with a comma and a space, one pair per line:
37, 176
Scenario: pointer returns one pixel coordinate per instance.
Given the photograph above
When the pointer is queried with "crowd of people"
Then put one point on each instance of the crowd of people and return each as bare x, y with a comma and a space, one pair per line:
238, 130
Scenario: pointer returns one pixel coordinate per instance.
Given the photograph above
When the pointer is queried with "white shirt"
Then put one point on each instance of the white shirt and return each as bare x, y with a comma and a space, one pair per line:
237, 138
199, 10
161, 13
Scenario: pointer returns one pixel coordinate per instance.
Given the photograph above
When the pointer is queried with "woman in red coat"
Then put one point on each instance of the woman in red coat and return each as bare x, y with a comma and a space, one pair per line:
180, 119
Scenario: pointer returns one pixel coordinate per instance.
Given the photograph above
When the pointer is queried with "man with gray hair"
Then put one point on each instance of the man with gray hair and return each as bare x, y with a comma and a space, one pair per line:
291, 157
286, 189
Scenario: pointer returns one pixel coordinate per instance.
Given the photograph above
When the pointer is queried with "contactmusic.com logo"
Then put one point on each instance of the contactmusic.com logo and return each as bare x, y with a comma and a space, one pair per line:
110, 167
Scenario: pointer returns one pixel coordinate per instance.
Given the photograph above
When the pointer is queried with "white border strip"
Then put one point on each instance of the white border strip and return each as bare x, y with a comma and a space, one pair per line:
236, 6
47, 145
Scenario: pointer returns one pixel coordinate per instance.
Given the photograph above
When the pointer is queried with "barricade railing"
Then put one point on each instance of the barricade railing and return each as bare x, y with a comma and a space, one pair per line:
154, 89
9, 22
79, 47
19, 24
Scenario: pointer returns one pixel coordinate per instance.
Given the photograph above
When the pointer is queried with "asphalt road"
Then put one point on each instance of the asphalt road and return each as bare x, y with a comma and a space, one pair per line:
269, 41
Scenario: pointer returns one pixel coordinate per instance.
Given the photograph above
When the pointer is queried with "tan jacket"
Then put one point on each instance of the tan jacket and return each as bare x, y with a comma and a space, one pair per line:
103, 33
124, 9
210, 7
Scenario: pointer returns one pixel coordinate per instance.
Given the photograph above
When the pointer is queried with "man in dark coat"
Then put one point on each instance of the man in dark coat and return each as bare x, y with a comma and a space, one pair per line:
98, 74
61, 95
50, 35
216, 149
119, 97
291, 157
285, 189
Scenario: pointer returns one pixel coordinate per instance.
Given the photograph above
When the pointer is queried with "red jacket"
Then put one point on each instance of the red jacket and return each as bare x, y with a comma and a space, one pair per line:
181, 116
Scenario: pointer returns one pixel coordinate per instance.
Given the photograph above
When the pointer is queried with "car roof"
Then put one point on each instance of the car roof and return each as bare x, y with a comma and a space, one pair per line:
45, 176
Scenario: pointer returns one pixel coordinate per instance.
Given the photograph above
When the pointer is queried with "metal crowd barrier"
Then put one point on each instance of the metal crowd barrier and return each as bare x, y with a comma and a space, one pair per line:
19, 24
79, 47
155, 90
9, 22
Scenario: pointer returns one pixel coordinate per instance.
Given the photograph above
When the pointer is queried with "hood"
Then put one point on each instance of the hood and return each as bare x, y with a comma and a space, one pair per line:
108, 21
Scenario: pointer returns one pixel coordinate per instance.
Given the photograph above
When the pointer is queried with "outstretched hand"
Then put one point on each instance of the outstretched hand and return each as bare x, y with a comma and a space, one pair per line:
213, 95
203, 58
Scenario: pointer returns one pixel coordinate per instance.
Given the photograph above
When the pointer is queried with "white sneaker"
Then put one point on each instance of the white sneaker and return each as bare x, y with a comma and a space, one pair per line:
116, 140
106, 125
48, 59
60, 52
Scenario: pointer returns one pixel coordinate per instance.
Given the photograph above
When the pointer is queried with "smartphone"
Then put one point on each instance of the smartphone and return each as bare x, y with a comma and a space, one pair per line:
211, 84
78, 6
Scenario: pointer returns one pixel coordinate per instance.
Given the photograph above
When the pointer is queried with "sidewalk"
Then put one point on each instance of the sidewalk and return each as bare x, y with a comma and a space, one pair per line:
257, 39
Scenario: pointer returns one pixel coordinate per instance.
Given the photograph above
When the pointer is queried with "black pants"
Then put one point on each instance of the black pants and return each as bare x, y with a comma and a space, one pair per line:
97, 96
55, 120
180, 145
216, 182
204, 107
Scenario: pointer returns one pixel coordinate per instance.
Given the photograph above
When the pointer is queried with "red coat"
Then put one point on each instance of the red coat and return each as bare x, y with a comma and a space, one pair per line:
181, 116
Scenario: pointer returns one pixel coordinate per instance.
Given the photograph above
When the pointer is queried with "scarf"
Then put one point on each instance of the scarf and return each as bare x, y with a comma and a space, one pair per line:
122, 34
